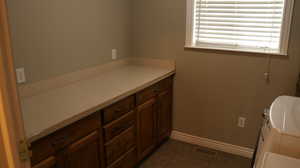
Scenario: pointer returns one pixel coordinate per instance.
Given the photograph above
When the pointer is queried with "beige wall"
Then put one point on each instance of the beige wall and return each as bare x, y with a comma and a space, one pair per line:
213, 88
54, 37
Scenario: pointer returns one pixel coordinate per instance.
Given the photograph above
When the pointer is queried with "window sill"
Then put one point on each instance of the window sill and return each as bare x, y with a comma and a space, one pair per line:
233, 50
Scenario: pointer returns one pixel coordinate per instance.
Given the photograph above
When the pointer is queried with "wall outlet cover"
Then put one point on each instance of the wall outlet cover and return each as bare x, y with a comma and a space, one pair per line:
21, 78
241, 122
114, 54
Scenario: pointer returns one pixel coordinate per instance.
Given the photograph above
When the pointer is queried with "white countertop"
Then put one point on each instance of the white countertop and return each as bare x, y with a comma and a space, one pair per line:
53, 109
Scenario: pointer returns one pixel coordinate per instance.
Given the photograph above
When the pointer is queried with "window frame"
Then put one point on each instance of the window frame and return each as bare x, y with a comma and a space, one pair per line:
284, 40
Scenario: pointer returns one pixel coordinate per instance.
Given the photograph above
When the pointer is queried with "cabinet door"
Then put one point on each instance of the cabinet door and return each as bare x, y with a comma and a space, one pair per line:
84, 153
164, 115
47, 163
146, 127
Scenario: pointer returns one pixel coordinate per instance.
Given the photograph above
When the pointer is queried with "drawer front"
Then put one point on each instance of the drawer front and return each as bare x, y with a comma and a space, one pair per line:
48, 163
120, 145
118, 126
165, 84
147, 94
128, 160
154, 90
47, 146
41, 150
118, 109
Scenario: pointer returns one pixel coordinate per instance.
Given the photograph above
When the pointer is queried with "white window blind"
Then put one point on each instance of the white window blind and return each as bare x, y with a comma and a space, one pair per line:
247, 25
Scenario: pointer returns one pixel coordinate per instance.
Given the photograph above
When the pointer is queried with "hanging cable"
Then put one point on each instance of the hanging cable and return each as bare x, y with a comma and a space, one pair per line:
267, 73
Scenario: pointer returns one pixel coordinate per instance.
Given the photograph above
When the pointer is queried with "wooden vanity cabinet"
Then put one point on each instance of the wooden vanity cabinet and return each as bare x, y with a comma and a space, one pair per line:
147, 129
128, 160
79, 144
154, 113
118, 136
84, 152
120, 133
164, 114
47, 163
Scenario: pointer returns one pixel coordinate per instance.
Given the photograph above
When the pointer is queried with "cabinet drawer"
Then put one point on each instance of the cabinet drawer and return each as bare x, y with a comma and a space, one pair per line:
147, 94
152, 91
48, 163
165, 84
47, 146
118, 109
120, 145
117, 126
128, 160
41, 150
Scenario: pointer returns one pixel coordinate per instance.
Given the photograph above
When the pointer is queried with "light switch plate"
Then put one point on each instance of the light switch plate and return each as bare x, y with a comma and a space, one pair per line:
21, 78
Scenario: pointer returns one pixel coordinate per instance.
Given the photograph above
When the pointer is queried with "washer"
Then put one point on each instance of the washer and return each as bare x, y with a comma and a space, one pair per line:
280, 132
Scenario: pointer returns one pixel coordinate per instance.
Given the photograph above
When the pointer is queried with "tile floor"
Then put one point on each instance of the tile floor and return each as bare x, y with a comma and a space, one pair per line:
175, 154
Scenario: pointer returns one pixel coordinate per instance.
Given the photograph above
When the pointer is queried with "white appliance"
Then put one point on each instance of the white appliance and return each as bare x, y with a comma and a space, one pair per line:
272, 160
280, 132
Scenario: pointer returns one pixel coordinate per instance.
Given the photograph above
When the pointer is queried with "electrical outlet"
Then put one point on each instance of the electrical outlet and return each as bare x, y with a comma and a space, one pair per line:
241, 122
114, 54
21, 78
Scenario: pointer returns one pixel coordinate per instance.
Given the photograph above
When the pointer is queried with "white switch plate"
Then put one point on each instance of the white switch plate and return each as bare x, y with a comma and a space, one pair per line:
21, 78
114, 54
241, 122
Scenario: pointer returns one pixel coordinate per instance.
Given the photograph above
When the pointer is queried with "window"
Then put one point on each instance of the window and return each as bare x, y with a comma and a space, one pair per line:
260, 26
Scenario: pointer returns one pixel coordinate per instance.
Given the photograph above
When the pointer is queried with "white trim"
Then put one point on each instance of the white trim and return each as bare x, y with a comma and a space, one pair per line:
233, 50
217, 145
189, 21
286, 25
284, 41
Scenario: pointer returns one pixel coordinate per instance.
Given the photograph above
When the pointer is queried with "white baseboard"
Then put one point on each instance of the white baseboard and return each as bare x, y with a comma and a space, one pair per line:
217, 145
